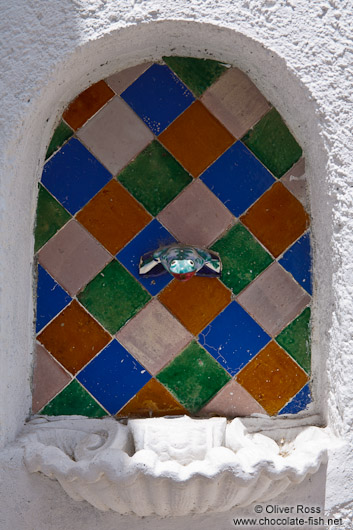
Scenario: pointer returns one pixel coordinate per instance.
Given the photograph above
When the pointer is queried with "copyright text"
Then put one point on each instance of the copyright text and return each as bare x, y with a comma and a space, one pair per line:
276, 515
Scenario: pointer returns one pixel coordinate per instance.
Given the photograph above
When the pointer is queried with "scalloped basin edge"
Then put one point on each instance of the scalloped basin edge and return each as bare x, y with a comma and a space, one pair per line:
169, 466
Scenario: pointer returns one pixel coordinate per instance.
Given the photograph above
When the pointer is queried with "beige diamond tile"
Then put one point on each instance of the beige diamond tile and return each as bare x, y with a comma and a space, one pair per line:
73, 257
115, 135
196, 216
274, 299
49, 378
236, 102
232, 401
120, 81
154, 337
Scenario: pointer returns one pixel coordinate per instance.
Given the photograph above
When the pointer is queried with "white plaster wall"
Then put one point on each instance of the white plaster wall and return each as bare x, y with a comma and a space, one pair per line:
299, 54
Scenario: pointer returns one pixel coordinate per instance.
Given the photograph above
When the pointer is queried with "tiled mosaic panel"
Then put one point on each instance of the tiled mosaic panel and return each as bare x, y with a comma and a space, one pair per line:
186, 150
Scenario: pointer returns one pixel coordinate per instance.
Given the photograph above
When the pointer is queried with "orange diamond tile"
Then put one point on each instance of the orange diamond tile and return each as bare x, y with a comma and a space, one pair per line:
152, 400
195, 302
272, 378
196, 138
113, 216
277, 219
74, 337
87, 104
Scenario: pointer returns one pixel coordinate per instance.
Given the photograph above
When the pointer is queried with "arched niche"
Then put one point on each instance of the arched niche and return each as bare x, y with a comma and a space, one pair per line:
100, 58
182, 151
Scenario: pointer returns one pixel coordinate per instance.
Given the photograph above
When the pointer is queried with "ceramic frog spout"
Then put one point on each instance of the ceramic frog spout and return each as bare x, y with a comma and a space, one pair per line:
181, 261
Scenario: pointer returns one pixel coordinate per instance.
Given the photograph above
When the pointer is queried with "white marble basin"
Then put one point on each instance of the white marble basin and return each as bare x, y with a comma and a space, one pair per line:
168, 466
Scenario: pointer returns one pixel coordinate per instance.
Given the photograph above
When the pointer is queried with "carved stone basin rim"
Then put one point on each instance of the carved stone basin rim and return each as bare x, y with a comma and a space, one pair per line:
167, 466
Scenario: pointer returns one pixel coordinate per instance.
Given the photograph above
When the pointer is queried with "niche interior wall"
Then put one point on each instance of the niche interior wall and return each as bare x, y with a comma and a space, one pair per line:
184, 150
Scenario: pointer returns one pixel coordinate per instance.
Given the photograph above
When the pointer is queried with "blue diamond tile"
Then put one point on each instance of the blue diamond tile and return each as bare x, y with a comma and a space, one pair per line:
74, 176
150, 238
297, 261
158, 97
113, 377
299, 402
51, 298
233, 338
237, 178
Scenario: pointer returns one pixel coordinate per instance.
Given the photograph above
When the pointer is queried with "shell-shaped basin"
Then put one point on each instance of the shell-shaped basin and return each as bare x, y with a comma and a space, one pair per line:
168, 466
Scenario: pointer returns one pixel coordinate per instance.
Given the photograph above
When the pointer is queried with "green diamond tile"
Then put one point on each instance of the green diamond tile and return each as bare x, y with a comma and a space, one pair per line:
113, 297
61, 134
74, 400
197, 74
243, 258
154, 178
273, 144
194, 377
295, 339
51, 216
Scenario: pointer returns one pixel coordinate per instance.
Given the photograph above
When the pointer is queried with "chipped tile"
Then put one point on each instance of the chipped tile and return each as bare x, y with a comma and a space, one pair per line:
274, 299
196, 139
195, 302
73, 257
296, 172
115, 135
295, 181
277, 219
236, 102
196, 216
113, 217
154, 337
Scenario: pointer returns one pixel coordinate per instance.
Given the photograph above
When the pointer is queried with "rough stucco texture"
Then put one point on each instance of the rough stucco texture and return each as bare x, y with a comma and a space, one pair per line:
299, 55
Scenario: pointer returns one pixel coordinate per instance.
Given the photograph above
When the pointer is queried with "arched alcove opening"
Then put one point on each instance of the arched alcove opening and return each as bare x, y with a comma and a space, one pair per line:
178, 155
99, 59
